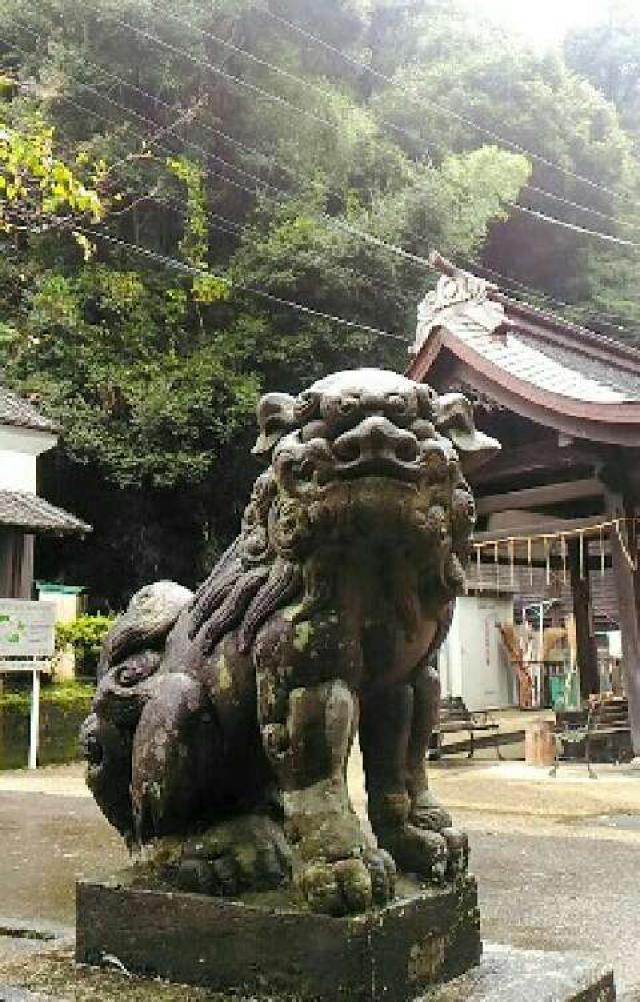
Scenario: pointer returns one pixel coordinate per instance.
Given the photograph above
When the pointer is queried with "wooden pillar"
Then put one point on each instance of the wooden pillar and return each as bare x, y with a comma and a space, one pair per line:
628, 593
587, 651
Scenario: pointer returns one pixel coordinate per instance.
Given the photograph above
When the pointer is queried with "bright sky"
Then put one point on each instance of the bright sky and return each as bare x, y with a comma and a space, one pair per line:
542, 22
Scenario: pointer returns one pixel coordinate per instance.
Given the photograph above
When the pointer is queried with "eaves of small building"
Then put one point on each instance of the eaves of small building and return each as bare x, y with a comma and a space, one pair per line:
25, 433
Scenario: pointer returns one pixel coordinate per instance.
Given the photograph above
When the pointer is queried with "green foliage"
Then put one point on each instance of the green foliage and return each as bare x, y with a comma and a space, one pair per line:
153, 362
86, 635
608, 54
35, 186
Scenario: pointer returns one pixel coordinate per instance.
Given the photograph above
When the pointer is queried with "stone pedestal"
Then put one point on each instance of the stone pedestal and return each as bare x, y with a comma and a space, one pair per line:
268, 948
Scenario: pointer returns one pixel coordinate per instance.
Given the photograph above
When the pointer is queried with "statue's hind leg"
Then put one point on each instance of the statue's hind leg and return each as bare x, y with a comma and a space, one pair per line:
175, 756
179, 786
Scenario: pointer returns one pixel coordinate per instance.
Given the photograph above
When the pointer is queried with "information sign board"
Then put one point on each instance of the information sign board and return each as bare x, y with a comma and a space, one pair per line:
27, 629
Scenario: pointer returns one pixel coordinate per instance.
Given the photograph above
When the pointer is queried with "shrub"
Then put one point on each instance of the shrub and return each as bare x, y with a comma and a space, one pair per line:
86, 635
68, 696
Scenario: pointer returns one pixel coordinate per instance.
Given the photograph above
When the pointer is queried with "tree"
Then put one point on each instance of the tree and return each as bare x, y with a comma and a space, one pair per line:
608, 54
234, 191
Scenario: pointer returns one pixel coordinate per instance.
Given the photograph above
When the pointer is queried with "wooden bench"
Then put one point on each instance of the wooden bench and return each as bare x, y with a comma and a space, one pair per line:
456, 718
605, 721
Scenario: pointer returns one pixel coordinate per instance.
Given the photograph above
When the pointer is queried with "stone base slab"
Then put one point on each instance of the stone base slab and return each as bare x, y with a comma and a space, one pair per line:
273, 950
509, 974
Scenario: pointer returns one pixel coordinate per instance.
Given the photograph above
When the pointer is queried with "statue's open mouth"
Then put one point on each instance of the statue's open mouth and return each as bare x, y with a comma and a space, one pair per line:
385, 468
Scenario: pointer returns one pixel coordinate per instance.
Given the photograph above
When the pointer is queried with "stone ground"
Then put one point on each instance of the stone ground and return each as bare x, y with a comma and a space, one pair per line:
556, 861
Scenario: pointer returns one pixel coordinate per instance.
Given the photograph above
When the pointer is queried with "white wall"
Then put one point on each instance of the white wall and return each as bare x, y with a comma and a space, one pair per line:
17, 471
473, 661
19, 449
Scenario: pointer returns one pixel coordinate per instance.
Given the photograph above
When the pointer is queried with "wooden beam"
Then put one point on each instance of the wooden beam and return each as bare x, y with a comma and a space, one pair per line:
587, 651
524, 460
627, 583
540, 497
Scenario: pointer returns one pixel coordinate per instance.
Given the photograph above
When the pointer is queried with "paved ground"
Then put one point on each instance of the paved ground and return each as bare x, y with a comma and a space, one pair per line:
556, 860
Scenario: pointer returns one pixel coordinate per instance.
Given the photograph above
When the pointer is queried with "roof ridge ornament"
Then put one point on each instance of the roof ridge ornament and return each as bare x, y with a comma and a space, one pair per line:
458, 293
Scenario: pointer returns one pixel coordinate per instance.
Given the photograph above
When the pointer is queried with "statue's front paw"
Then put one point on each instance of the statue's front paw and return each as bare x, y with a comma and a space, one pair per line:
348, 886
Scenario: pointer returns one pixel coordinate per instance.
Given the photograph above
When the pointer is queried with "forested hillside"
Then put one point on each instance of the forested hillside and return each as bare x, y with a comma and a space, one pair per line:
242, 195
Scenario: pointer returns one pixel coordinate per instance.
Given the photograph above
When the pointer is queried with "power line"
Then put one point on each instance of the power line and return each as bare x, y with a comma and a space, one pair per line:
582, 208
600, 317
431, 104
138, 199
185, 268
232, 228
327, 95
286, 74
574, 226
331, 221
334, 222
188, 269
323, 218
238, 81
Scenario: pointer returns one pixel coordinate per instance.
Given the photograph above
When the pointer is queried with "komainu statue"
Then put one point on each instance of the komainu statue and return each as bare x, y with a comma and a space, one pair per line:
224, 719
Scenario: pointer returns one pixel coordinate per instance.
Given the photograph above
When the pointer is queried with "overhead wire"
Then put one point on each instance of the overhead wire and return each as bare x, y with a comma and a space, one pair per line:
195, 272
430, 105
599, 317
551, 220
332, 221
185, 268
335, 221
543, 217
582, 208
308, 85
312, 87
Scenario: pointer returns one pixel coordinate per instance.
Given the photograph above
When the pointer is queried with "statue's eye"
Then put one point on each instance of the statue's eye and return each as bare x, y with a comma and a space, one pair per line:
397, 403
307, 469
348, 404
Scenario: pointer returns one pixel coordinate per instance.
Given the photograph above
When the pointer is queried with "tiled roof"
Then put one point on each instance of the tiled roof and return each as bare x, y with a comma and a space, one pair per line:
17, 411
535, 348
22, 510
515, 354
605, 373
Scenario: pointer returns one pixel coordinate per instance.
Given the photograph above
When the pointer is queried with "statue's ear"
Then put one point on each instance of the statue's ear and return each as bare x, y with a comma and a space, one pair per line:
276, 417
455, 420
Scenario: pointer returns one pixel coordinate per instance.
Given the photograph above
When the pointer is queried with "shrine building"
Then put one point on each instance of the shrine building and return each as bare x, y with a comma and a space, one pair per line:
559, 507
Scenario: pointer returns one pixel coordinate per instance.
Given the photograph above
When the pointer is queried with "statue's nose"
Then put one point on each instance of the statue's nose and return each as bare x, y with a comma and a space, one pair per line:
376, 436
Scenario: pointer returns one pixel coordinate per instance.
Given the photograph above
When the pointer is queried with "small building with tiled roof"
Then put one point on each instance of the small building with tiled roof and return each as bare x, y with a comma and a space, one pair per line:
560, 504
25, 433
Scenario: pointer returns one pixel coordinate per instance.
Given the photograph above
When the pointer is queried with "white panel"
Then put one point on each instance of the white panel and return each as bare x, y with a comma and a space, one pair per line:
477, 666
25, 440
17, 471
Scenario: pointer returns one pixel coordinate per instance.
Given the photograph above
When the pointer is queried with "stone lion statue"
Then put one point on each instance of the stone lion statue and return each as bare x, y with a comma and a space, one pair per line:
223, 720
